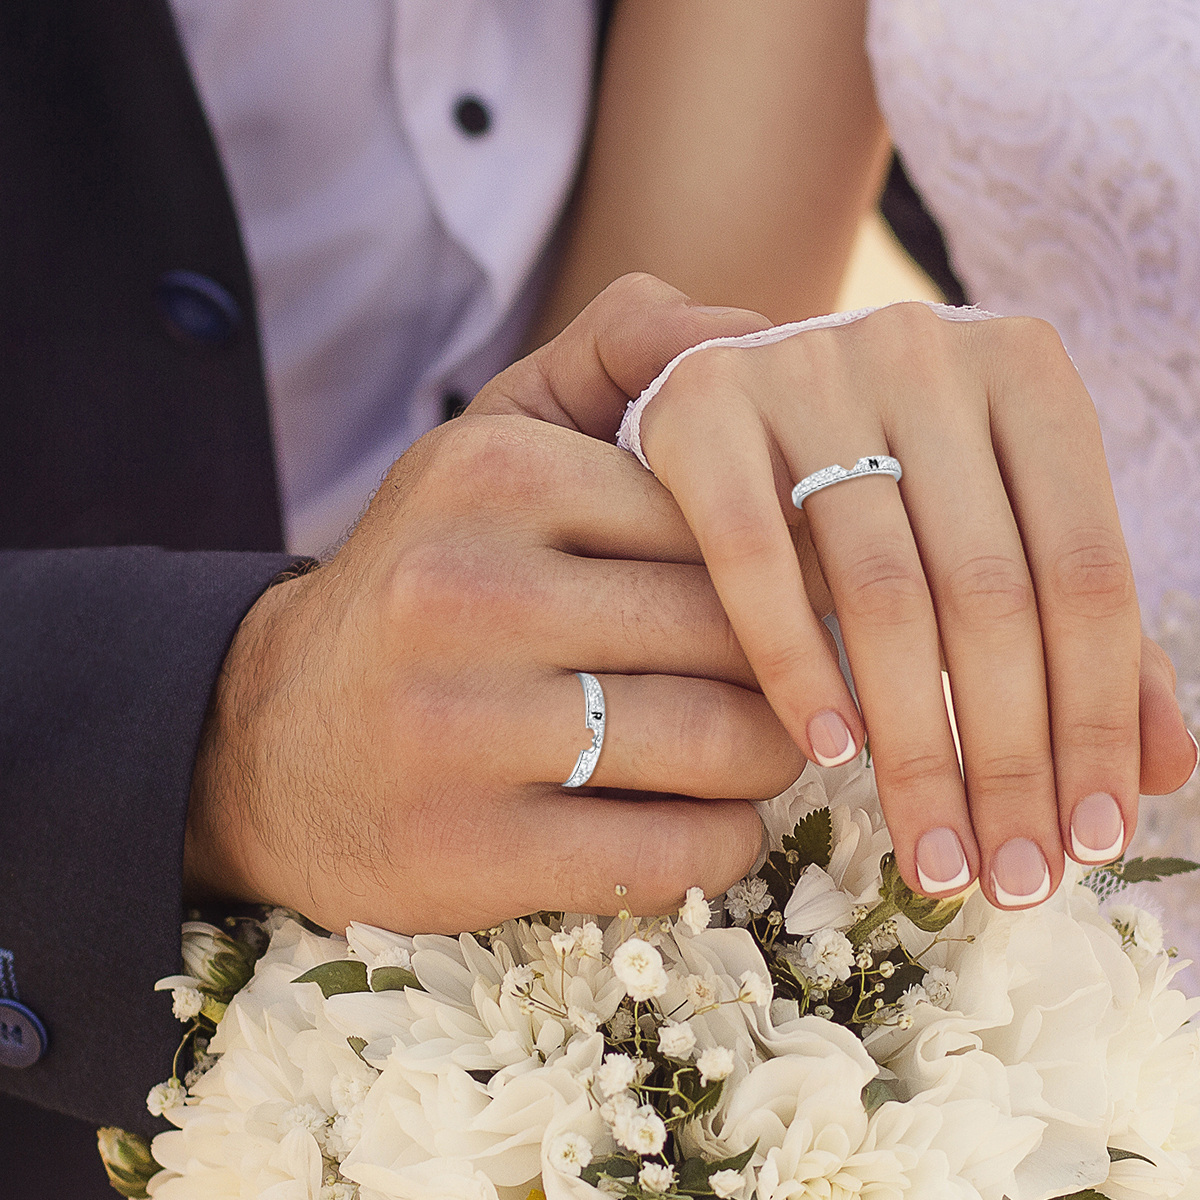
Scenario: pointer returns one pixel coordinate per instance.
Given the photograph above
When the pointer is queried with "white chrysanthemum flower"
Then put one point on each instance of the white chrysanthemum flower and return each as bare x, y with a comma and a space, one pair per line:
569, 1153
165, 1096
755, 989
676, 1039
640, 1129
186, 1003
1138, 928
827, 957
656, 1178
750, 897
639, 966
616, 1073
726, 1184
715, 1063
695, 913
938, 983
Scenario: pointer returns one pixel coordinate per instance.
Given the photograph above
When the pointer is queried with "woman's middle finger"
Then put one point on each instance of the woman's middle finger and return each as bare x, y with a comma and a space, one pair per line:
988, 622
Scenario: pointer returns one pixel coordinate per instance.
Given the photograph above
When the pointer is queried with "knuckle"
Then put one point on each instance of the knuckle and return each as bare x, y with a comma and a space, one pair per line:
639, 288
884, 588
705, 733
696, 384
987, 590
919, 773
496, 460
739, 538
1015, 776
1102, 735
1091, 576
911, 335
446, 584
1030, 336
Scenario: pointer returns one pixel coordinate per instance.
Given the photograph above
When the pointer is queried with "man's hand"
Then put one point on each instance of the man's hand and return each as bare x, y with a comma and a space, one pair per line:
390, 733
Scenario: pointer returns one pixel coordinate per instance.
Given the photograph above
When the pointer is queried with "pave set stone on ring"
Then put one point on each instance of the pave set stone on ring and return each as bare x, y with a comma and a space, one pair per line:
874, 464
593, 695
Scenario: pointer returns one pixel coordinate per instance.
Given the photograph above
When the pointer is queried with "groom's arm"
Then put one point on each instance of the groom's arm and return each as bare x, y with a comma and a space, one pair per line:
107, 661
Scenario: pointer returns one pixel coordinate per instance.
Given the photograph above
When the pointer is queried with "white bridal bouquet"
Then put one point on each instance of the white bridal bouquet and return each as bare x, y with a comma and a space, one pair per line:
824, 1033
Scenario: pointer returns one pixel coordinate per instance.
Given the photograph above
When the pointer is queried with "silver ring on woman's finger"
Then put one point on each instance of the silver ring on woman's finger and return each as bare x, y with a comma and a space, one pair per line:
875, 464
593, 695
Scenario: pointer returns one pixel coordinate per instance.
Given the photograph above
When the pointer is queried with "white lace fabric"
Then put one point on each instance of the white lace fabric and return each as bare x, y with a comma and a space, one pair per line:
1058, 146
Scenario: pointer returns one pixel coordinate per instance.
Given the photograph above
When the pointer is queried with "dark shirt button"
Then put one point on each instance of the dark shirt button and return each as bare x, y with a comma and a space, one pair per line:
472, 116
22, 1036
196, 309
453, 404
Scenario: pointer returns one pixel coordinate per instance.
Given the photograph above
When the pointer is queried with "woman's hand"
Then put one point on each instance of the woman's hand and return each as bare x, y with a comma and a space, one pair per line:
999, 551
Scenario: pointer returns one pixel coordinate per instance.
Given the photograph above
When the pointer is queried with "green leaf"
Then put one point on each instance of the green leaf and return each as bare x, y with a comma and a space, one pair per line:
358, 1045
1151, 870
393, 979
695, 1173
334, 978
700, 1097
1118, 1155
1086, 1194
812, 839
925, 912
615, 1167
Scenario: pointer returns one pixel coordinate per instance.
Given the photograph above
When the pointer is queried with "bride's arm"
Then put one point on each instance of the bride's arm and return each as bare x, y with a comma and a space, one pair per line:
737, 145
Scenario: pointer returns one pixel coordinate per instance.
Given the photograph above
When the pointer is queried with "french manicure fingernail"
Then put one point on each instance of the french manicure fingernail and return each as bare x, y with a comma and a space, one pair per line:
1097, 829
1197, 766
830, 738
941, 863
1020, 875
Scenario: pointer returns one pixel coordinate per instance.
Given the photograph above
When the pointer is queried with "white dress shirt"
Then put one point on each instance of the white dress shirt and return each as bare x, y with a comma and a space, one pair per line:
398, 167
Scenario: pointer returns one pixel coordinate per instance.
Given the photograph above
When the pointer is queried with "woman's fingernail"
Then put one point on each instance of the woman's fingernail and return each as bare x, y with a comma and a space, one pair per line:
830, 739
1197, 766
1019, 873
1097, 829
941, 863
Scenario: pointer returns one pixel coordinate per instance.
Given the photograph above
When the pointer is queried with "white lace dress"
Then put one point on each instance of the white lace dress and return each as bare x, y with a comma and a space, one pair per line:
1058, 146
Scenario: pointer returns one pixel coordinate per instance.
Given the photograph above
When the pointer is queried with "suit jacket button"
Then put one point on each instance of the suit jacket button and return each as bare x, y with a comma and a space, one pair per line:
22, 1035
196, 309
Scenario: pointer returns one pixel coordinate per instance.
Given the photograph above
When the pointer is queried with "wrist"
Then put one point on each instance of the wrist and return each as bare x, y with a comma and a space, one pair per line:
224, 855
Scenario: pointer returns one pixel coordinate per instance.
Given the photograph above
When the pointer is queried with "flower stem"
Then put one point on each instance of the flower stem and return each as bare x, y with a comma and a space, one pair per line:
860, 931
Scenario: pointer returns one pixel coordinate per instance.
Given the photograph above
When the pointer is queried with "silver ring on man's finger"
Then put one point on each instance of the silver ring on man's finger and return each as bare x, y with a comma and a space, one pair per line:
874, 464
593, 695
